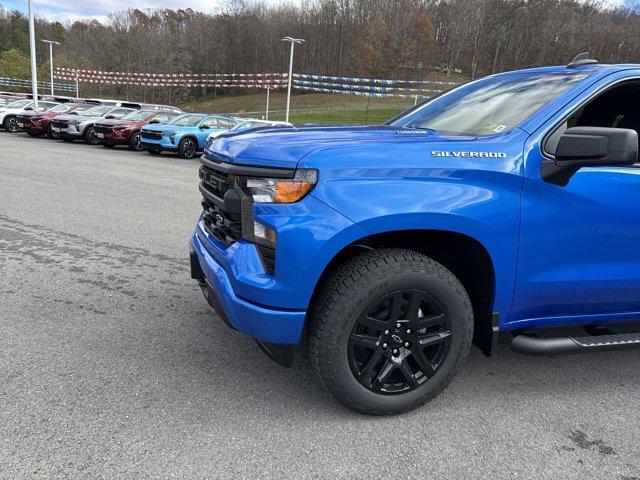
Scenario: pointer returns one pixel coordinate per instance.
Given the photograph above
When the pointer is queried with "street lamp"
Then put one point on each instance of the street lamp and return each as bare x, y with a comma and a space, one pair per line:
32, 47
292, 41
51, 44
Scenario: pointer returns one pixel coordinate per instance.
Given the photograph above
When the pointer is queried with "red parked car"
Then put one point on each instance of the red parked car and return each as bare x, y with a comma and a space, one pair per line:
39, 123
126, 130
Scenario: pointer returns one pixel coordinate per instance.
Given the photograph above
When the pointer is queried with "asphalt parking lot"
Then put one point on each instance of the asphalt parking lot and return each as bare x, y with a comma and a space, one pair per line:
112, 365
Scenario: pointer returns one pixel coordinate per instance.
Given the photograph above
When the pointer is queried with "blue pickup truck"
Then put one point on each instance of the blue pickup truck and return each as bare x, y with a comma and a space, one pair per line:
507, 204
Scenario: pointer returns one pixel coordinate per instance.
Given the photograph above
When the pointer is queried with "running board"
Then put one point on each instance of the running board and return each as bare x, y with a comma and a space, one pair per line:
531, 345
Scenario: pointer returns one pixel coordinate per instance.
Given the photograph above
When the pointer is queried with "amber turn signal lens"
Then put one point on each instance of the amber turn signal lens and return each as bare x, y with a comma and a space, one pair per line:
289, 192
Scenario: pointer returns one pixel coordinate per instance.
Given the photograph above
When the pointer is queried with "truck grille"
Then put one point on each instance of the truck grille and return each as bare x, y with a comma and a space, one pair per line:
221, 205
222, 211
151, 135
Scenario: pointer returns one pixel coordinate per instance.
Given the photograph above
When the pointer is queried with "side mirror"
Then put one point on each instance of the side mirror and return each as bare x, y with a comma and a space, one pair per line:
580, 147
154, 121
110, 117
28, 108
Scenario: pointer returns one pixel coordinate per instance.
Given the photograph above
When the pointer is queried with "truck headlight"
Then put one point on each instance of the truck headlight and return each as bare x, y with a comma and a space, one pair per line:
280, 190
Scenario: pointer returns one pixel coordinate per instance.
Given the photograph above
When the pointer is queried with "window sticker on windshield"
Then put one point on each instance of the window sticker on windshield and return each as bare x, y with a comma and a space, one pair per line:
495, 127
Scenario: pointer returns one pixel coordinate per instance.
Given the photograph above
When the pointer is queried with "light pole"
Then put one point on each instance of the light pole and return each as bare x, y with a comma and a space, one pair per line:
267, 112
32, 47
292, 41
51, 44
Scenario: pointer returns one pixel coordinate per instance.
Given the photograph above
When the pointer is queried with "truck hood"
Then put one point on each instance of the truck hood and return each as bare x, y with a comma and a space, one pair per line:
285, 147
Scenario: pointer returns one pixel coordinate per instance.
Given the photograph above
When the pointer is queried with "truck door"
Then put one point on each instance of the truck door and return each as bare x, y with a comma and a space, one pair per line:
579, 253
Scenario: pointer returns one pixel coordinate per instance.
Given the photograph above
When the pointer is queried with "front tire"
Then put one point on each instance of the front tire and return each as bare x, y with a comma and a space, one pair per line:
90, 136
187, 148
11, 124
389, 331
135, 142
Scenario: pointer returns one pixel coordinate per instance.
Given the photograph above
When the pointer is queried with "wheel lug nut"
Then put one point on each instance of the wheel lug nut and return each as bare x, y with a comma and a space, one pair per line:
406, 344
408, 331
386, 332
395, 351
398, 325
384, 345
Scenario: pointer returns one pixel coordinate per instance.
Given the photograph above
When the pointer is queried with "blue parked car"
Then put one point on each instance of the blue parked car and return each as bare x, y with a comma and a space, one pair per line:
185, 135
508, 205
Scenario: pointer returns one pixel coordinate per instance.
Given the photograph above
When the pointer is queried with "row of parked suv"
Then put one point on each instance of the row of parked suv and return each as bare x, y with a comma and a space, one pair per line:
150, 127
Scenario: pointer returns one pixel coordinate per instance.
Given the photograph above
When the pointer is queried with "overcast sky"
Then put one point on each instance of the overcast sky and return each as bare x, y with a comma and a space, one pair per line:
67, 11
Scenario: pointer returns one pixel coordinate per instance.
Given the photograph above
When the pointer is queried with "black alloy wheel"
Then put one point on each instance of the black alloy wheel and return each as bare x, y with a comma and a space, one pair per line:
399, 342
11, 125
90, 136
187, 148
50, 132
135, 142
389, 330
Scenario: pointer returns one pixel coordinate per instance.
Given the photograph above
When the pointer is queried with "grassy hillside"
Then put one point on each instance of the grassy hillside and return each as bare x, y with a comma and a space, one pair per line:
305, 108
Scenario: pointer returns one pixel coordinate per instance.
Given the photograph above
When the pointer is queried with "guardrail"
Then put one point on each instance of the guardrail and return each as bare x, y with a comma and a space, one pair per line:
23, 83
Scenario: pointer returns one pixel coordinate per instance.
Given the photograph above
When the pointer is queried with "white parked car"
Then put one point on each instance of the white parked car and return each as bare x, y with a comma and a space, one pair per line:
248, 124
8, 114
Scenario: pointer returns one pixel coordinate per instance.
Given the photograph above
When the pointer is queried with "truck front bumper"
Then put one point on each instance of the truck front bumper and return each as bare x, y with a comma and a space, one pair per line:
210, 261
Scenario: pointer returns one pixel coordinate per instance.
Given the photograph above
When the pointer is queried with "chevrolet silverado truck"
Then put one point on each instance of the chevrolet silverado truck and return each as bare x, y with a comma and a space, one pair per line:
126, 131
507, 204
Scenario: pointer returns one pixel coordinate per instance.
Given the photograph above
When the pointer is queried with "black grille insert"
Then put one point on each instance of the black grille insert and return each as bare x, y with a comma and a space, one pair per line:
222, 215
151, 135
268, 255
60, 123
102, 129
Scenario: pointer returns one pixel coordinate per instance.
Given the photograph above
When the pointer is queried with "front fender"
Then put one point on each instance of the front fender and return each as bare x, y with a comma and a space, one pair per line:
485, 208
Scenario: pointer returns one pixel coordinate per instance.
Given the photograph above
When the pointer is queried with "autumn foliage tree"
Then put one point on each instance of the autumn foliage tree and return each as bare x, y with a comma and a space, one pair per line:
387, 38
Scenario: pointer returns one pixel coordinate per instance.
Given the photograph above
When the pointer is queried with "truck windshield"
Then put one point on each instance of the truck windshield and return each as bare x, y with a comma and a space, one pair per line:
490, 105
